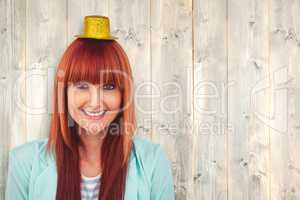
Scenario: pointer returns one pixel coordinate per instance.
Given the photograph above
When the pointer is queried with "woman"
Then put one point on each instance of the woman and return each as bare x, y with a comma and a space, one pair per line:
92, 151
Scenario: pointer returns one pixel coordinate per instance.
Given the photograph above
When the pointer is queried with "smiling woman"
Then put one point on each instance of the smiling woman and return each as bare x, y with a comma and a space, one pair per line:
88, 67
94, 88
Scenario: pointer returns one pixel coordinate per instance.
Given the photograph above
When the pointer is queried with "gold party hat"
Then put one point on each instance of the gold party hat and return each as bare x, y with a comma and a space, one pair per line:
96, 27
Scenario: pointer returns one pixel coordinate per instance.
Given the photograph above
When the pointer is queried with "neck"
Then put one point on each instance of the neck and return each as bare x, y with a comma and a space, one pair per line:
92, 143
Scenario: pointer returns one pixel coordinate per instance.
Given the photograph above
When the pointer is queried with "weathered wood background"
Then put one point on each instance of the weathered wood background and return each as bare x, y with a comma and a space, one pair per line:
217, 84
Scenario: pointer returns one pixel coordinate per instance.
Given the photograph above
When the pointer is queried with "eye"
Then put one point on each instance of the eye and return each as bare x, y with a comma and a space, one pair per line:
109, 86
81, 85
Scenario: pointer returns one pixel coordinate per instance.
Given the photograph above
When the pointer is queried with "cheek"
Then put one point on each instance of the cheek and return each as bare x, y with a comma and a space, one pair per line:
113, 100
75, 101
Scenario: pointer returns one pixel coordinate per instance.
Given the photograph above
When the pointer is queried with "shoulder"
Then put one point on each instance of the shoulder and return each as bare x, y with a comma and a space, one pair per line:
24, 154
146, 150
151, 155
28, 149
156, 166
20, 165
144, 146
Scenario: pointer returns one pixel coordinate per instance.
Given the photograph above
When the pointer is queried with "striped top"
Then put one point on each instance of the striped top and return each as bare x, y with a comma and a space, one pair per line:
90, 187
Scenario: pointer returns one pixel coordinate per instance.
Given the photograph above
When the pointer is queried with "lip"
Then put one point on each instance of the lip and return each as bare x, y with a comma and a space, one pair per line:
93, 117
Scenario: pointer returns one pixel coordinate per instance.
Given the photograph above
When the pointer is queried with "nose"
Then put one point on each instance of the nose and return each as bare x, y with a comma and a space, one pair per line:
96, 97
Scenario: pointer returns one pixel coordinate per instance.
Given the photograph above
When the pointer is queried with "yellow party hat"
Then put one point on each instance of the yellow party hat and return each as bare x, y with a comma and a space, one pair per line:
96, 27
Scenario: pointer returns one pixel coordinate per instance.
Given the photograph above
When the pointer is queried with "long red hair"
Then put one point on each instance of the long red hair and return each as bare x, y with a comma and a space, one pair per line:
95, 61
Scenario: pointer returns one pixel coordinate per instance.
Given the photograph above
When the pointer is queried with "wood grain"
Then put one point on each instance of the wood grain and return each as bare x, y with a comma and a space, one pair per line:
210, 99
171, 61
216, 84
248, 144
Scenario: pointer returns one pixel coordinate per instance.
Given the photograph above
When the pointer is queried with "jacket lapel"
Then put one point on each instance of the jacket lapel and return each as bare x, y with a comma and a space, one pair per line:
44, 177
131, 181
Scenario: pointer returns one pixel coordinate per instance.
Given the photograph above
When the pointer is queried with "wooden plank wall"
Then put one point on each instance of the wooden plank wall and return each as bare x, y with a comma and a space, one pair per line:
217, 85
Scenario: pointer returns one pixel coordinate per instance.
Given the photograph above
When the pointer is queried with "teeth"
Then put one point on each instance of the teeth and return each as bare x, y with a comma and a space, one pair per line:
94, 114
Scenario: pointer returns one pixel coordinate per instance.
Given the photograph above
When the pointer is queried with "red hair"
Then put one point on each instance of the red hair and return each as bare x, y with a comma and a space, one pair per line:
95, 61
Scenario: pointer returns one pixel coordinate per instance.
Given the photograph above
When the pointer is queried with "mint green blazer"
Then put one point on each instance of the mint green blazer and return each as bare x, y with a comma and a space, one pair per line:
33, 176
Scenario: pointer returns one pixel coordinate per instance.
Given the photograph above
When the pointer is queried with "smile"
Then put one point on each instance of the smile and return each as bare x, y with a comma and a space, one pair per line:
94, 115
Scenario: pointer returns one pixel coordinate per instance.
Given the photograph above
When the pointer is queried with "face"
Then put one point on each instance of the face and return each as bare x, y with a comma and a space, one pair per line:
93, 107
